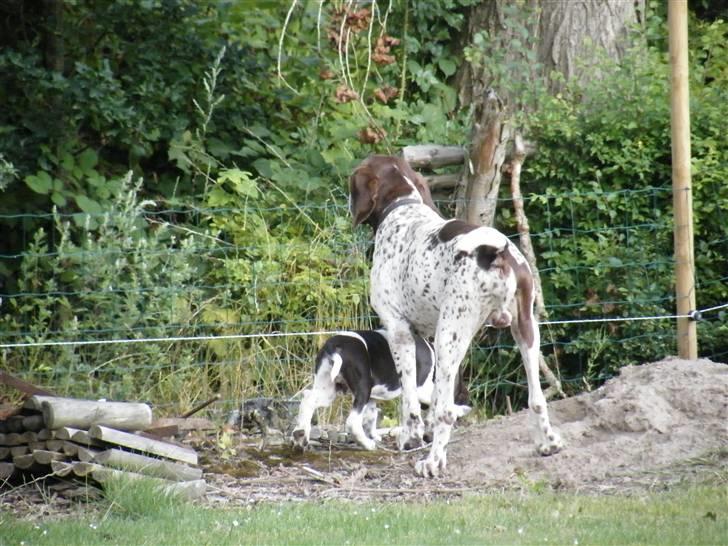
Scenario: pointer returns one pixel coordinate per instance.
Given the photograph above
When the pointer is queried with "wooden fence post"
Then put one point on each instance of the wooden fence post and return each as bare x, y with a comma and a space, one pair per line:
687, 342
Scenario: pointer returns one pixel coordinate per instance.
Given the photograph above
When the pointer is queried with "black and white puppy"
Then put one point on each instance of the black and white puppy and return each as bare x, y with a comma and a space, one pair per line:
361, 362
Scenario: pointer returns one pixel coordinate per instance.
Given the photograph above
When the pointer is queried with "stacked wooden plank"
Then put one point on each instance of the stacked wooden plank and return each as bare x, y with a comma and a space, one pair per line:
94, 439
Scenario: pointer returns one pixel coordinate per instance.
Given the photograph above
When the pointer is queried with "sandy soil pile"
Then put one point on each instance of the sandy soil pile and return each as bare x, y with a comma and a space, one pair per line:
649, 420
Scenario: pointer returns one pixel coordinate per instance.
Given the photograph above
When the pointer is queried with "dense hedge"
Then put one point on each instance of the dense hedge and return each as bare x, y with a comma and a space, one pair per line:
233, 217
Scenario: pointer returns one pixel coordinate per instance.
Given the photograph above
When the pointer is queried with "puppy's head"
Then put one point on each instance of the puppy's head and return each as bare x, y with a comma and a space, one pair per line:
380, 180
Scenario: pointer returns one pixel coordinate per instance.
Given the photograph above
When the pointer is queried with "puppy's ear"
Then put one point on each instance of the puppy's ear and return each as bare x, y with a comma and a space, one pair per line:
363, 194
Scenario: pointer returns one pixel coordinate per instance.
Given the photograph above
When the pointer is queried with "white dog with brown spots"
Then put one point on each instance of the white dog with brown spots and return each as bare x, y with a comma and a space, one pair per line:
442, 278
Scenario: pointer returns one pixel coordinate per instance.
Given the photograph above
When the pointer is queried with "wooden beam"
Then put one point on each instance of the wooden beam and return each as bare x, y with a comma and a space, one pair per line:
432, 156
142, 464
139, 443
65, 412
22, 386
687, 339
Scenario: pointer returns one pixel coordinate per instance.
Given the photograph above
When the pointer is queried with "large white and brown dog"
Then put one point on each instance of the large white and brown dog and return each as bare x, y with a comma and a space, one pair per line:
442, 278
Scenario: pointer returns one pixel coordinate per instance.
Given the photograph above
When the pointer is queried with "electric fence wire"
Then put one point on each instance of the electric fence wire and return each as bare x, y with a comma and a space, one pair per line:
695, 315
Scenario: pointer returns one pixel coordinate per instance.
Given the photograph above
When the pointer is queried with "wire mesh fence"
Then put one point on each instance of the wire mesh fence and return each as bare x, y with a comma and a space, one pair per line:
171, 304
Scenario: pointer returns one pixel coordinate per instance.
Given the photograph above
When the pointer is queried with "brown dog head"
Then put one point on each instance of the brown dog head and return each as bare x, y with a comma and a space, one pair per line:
377, 182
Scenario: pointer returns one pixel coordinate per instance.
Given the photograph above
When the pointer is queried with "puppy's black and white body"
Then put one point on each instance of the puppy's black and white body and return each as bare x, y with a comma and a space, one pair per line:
361, 362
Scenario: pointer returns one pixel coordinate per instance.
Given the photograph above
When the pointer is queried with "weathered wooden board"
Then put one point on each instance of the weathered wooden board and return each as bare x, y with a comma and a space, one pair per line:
85, 455
65, 433
142, 464
24, 462
62, 468
145, 445
41, 456
64, 412
22, 386
6, 470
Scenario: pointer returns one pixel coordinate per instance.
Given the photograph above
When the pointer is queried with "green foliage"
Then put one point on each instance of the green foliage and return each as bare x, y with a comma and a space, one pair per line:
599, 166
239, 225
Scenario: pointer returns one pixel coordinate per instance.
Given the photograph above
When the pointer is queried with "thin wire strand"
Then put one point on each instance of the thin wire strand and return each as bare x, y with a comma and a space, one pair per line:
305, 334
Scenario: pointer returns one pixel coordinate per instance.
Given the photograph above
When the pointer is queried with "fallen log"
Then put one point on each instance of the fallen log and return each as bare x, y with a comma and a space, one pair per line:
190, 489
65, 412
146, 445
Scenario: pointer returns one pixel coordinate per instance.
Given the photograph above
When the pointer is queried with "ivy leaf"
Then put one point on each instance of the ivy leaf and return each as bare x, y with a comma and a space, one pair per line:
58, 199
39, 183
88, 159
448, 66
241, 181
88, 205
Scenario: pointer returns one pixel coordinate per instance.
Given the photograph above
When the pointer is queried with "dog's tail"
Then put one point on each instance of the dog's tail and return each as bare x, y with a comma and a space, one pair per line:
335, 361
482, 236
483, 243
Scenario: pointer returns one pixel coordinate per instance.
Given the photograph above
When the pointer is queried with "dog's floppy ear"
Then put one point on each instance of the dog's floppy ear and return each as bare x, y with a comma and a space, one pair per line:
363, 193
424, 190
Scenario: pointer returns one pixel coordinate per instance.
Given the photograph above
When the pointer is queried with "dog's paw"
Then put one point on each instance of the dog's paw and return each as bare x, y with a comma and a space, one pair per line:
367, 443
407, 442
299, 438
430, 467
551, 446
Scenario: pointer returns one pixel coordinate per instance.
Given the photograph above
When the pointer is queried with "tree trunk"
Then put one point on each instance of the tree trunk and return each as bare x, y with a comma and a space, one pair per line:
565, 37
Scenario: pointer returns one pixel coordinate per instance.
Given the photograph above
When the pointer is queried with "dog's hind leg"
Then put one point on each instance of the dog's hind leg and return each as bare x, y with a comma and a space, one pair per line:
371, 413
360, 412
526, 332
321, 395
454, 333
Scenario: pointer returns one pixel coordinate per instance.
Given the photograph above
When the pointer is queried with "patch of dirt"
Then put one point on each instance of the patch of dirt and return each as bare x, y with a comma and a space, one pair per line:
651, 427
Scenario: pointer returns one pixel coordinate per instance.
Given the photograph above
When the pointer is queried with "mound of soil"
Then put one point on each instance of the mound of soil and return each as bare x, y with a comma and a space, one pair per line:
651, 426
643, 423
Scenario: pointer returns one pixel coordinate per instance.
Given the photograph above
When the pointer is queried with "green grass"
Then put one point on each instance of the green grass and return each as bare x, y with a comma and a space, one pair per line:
135, 515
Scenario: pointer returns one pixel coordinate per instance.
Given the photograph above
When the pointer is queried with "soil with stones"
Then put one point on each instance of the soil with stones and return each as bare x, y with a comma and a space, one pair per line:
651, 427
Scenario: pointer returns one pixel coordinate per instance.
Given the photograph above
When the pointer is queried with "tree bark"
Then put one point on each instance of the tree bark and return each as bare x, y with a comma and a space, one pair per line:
567, 37
477, 197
